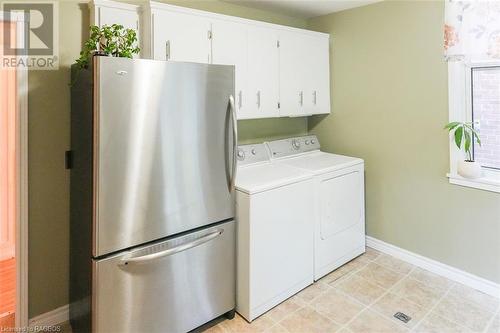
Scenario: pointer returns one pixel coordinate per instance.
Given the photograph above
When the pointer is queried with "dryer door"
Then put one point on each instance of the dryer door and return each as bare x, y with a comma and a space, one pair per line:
341, 202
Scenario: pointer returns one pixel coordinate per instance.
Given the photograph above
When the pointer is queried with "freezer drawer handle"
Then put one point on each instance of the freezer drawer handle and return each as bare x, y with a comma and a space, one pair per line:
183, 247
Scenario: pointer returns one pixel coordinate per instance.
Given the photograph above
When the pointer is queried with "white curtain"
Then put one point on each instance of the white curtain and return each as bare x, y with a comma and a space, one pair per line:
472, 30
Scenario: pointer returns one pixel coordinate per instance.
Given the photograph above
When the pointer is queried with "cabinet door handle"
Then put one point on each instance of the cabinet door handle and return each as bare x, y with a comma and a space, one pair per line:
258, 99
315, 94
240, 99
301, 98
167, 50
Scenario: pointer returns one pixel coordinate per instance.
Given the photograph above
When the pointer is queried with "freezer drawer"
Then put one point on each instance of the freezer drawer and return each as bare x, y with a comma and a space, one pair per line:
170, 286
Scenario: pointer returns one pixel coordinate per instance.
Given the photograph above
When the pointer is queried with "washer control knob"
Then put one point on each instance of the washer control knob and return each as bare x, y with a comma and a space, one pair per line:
313, 141
253, 151
295, 144
240, 154
307, 142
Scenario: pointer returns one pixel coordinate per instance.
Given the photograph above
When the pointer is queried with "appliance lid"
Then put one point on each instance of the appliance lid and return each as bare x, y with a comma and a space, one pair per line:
320, 162
267, 176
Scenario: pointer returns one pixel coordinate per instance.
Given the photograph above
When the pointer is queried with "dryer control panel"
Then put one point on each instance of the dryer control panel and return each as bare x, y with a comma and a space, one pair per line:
249, 154
292, 146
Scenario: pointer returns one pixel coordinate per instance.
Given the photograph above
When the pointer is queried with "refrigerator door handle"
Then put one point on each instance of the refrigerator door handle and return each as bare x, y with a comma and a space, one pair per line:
165, 253
235, 143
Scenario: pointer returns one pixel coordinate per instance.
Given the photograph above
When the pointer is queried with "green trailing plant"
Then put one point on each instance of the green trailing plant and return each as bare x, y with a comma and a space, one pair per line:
463, 135
112, 40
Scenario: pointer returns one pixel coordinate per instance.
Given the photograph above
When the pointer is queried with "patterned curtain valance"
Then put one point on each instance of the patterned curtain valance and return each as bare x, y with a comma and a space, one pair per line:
472, 30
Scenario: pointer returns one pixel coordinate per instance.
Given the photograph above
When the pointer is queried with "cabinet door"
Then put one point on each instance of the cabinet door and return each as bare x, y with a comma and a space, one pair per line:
317, 92
263, 73
128, 17
229, 47
180, 37
292, 55
108, 16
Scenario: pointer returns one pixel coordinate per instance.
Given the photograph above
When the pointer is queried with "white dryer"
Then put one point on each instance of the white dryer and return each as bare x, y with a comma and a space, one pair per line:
274, 234
339, 219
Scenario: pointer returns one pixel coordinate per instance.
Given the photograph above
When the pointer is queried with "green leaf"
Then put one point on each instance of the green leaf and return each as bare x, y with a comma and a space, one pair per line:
468, 141
459, 136
452, 125
478, 140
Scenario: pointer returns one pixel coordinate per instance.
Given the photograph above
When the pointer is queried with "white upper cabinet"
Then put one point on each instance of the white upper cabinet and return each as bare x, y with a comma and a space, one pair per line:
279, 71
263, 73
179, 37
104, 12
293, 85
229, 47
304, 74
317, 91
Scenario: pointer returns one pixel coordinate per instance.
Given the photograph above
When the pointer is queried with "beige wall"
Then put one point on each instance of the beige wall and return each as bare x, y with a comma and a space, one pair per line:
49, 116
389, 102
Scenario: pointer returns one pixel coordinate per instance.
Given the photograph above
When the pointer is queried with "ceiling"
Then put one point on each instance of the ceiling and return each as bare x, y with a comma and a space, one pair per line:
303, 8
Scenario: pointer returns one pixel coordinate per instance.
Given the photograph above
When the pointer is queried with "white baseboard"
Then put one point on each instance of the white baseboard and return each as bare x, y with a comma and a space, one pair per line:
51, 318
452, 273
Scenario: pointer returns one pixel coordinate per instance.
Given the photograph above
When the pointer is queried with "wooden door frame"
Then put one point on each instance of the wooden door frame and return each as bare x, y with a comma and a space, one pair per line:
21, 237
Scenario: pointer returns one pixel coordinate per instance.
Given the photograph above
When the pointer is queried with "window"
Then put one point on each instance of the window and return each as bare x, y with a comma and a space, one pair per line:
474, 96
485, 85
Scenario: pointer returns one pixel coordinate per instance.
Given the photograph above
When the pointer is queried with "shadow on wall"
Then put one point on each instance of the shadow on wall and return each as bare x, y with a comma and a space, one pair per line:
49, 138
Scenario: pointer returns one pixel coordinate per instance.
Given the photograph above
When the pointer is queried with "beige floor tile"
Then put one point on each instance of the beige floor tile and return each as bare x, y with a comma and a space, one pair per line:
395, 264
313, 291
335, 275
277, 329
418, 292
351, 266
358, 262
431, 279
472, 295
369, 321
362, 290
240, 325
284, 309
310, 321
219, 328
299, 300
390, 304
494, 325
380, 275
336, 306
436, 324
371, 254
463, 312
345, 330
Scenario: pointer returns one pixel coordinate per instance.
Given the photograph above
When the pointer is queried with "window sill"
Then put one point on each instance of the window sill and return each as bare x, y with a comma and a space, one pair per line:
490, 181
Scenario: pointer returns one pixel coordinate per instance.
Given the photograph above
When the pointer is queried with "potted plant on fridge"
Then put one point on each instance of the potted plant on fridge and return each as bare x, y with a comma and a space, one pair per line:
463, 135
109, 40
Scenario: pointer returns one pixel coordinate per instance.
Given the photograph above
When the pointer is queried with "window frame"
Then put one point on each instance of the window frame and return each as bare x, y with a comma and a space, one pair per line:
460, 109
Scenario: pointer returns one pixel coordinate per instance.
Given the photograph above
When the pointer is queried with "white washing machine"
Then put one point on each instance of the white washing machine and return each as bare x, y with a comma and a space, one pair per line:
274, 206
339, 219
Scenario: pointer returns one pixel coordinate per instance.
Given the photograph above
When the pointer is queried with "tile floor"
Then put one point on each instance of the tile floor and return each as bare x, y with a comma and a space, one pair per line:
362, 297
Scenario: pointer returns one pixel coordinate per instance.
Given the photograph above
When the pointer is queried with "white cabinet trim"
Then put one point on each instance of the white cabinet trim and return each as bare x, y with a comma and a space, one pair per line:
161, 6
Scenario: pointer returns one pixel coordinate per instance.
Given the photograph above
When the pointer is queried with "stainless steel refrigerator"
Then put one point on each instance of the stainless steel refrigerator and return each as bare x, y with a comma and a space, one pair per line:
152, 195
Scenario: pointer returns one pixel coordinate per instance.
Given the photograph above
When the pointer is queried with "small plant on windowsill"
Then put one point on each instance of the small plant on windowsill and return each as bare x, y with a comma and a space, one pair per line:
109, 40
464, 134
